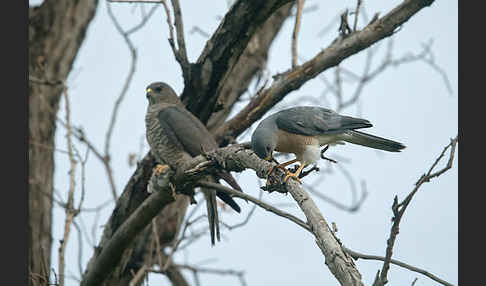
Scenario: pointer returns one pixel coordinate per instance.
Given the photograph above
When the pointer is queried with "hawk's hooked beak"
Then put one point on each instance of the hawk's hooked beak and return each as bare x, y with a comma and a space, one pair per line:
149, 90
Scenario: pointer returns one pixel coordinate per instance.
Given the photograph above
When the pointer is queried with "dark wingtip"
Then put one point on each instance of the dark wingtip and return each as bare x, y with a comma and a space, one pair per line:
229, 179
398, 147
229, 201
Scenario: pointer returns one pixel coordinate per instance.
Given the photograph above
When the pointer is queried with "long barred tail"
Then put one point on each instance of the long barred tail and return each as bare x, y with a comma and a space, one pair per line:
213, 217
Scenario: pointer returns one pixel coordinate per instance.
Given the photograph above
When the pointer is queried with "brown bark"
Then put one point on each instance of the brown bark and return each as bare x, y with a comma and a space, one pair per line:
221, 53
56, 31
339, 50
251, 62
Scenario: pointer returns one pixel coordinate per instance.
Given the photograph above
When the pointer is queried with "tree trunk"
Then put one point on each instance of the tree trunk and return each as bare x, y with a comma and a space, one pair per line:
56, 32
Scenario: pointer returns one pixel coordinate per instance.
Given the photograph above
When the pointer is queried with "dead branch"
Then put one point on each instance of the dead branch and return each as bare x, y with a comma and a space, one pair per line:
298, 16
256, 201
109, 256
356, 14
221, 53
135, 1
70, 211
233, 158
339, 50
399, 209
251, 64
357, 255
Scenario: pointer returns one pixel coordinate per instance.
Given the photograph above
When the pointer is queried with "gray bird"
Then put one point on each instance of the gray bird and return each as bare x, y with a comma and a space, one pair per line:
303, 130
175, 136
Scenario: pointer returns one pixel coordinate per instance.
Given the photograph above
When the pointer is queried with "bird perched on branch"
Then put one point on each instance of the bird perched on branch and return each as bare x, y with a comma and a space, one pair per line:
303, 130
175, 136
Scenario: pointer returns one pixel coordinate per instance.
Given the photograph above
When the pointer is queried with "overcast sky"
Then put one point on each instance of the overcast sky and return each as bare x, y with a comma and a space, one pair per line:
409, 103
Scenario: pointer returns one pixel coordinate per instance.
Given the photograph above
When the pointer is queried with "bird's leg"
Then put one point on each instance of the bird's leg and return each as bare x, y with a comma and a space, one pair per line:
160, 168
283, 165
325, 158
295, 175
280, 166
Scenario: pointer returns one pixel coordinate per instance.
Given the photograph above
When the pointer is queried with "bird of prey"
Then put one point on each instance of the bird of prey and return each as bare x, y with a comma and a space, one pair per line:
175, 136
303, 130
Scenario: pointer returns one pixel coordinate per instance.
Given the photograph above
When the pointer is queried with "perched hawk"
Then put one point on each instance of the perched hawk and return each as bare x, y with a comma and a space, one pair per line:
175, 136
303, 130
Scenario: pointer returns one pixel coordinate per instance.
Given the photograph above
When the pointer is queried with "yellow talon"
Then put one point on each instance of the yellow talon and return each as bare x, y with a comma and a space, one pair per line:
160, 168
295, 176
279, 166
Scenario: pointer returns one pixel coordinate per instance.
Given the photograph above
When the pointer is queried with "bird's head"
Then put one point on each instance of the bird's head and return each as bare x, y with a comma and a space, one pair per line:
158, 92
263, 143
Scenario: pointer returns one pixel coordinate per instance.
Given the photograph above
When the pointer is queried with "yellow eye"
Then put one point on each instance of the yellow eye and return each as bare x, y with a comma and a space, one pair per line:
149, 90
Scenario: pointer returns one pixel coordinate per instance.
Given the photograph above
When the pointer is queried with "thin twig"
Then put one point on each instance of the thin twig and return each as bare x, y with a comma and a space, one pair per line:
80, 248
356, 14
197, 269
181, 44
155, 235
126, 85
261, 204
298, 16
178, 241
138, 276
135, 1
399, 209
247, 219
142, 23
70, 212
357, 255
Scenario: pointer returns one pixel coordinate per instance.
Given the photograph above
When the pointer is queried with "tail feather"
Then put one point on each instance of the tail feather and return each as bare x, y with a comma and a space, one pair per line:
212, 208
372, 141
223, 174
213, 217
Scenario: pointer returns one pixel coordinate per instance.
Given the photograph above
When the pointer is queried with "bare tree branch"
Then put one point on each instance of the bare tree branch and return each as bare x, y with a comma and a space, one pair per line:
399, 209
357, 255
356, 14
340, 264
298, 16
251, 64
221, 53
70, 211
339, 50
257, 202
135, 1
109, 256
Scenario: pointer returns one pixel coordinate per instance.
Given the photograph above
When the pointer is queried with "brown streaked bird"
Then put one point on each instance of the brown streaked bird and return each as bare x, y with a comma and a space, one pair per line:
175, 136
303, 130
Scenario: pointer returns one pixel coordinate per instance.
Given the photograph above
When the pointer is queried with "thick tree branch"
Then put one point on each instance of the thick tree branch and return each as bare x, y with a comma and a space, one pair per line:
110, 254
251, 63
232, 158
339, 50
221, 53
340, 264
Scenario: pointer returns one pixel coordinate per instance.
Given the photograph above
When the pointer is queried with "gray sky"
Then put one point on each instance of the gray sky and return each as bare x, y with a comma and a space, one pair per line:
409, 103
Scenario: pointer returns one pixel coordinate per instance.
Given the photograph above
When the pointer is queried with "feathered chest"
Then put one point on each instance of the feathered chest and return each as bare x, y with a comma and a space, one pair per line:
162, 141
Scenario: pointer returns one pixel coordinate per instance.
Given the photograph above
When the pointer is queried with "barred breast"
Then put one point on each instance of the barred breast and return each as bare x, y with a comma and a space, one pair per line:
164, 150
